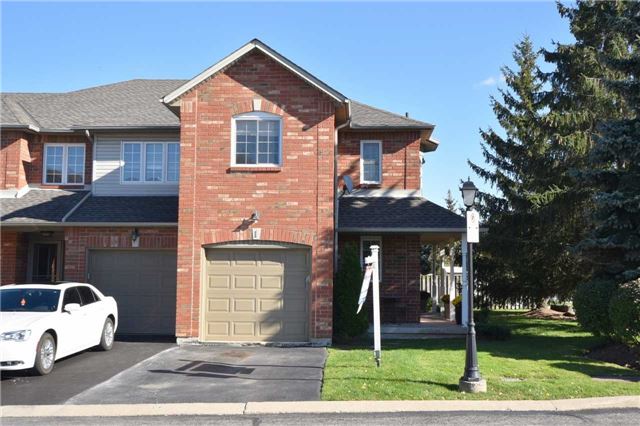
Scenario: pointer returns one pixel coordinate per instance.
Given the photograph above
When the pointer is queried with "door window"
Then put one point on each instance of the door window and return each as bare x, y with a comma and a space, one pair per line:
71, 296
87, 295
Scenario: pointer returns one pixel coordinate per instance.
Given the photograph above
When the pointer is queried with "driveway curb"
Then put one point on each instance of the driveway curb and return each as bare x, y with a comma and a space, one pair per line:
306, 407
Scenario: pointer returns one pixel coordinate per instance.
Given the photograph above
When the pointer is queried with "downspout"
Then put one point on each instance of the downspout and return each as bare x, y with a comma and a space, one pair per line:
336, 189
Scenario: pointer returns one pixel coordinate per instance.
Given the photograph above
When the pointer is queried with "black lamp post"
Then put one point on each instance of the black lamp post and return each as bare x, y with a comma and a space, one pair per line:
471, 381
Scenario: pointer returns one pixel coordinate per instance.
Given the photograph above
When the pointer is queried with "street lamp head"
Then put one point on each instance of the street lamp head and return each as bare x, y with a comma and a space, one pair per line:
469, 192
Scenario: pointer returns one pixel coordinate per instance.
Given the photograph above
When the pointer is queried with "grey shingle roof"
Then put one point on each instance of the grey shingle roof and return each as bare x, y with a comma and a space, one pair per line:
133, 103
386, 213
367, 117
39, 206
127, 209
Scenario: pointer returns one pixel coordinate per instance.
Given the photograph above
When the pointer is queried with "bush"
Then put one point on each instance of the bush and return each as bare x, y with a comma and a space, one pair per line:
624, 313
481, 316
445, 299
561, 308
493, 331
346, 291
590, 303
428, 305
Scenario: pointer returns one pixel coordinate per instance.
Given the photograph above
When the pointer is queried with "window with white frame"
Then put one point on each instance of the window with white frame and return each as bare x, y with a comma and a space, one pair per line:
150, 162
256, 140
370, 162
64, 164
365, 249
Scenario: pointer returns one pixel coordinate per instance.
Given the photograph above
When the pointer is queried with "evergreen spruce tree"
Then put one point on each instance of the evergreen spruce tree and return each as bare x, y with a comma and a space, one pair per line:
612, 248
512, 263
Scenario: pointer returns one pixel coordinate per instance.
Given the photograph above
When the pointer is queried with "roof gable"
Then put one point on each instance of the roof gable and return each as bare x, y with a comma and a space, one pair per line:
254, 44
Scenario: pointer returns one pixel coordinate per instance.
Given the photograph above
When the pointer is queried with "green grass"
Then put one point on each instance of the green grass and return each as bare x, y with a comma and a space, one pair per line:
543, 360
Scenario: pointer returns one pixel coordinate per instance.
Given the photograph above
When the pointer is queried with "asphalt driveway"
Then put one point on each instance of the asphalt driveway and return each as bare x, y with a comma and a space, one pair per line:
215, 374
74, 374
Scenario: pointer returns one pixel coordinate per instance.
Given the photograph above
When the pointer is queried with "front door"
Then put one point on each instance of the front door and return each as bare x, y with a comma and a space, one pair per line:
44, 268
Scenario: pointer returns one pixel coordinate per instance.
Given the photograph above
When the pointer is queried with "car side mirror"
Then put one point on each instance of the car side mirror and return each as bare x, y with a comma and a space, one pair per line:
72, 307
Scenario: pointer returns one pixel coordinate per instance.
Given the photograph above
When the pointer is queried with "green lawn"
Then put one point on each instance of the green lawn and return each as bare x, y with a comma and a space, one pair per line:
543, 360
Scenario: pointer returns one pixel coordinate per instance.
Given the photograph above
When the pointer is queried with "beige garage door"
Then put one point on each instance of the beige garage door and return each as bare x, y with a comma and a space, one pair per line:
256, 295
143, 282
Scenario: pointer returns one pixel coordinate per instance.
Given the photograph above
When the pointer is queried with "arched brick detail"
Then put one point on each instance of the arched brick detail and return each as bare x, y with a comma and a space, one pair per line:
267, 234
257, 104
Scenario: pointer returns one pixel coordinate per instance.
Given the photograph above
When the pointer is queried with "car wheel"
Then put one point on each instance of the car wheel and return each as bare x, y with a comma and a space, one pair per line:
45, 355
106, 340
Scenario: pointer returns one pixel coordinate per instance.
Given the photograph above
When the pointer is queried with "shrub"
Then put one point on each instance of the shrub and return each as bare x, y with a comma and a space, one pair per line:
445, 299
428, 305
457, 300
624, 313
346, 291
590, 303
493, 331
561, 308
481, 316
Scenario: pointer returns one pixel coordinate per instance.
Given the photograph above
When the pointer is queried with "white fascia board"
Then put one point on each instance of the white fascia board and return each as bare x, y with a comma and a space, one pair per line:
253, 44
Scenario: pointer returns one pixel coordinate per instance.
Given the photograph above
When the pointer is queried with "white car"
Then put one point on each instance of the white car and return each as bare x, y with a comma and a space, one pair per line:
40, 323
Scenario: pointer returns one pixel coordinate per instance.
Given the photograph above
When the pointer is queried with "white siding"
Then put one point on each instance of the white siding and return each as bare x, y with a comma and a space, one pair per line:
107, 167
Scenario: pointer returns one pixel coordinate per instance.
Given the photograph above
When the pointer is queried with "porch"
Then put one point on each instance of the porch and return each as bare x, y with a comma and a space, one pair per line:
431, 326
401, 222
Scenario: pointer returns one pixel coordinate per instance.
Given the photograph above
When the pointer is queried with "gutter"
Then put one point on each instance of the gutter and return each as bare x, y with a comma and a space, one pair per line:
336, 206
89, 224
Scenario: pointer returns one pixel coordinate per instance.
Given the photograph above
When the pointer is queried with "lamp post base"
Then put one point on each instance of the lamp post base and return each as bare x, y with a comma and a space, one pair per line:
477, 386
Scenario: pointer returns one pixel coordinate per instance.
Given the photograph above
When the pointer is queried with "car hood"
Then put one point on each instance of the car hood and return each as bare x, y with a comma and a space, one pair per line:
13, 321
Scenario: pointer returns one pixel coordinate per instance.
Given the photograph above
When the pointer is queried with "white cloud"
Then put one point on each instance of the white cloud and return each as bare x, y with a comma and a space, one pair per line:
490, 81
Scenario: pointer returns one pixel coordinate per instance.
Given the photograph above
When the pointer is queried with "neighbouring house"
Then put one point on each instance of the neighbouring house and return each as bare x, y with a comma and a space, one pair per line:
214, 208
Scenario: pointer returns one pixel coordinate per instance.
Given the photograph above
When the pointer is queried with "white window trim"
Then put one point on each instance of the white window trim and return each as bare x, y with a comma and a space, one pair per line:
143, 161
370, 182
377, 238
256, 115
65, 163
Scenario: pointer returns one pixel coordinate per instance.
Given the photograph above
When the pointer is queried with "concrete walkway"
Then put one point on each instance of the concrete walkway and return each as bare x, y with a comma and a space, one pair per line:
212, 374
318, 407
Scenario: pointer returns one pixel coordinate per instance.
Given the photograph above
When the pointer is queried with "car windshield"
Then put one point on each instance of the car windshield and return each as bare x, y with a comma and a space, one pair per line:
29, 300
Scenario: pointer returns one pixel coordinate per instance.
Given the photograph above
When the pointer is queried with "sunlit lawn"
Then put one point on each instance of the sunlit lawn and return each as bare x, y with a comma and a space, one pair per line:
543, 360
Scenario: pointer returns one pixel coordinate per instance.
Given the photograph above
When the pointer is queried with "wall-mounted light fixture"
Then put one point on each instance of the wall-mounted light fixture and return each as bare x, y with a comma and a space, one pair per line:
46, 234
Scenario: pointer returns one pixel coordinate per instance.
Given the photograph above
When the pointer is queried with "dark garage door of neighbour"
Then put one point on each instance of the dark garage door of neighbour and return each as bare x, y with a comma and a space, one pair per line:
143, 282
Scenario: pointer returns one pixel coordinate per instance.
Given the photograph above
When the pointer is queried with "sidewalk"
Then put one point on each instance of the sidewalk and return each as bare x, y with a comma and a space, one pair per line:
315, 407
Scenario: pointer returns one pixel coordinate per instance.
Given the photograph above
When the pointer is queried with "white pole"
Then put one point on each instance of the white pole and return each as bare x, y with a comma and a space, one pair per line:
465, 279
376, 305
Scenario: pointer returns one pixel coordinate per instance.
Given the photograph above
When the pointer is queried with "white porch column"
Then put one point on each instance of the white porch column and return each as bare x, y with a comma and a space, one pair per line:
465, 279
452, 281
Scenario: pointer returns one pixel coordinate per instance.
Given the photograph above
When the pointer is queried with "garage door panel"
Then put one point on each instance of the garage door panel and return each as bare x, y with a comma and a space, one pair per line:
267, 299
143, 282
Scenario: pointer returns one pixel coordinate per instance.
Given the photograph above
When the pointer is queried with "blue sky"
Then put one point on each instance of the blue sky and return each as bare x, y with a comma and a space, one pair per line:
438, 61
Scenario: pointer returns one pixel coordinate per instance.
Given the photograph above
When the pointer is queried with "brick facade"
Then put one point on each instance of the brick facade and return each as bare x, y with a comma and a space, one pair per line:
13, 252
14, 154
77, 242
400, 279
400, 157
295, 201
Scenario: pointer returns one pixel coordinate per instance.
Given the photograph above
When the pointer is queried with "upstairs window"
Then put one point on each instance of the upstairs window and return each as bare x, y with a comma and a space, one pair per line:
257, 140
370, 162
150, 162
64, 164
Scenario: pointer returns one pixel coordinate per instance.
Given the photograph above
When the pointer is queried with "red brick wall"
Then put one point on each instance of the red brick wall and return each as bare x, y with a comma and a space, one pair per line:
78, 240
13, 257
34, 170
14, 152
295, 201
400, 157
400, 280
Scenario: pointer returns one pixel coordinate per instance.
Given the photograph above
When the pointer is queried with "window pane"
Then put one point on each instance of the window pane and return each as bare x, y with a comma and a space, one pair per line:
53, 164
173, 162
153, 162
75, 164
371, 162
269, 147
132, 158
246, 141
